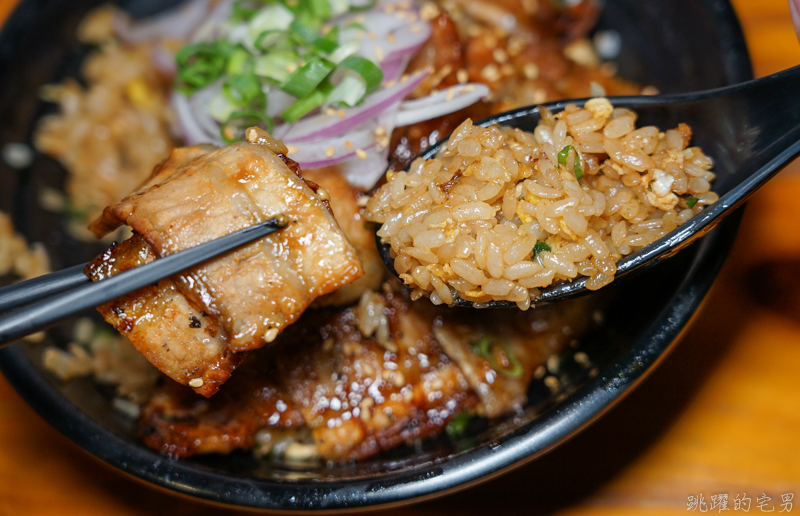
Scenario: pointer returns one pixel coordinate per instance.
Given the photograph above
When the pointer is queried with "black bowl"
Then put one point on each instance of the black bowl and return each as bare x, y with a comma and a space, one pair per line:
677, 46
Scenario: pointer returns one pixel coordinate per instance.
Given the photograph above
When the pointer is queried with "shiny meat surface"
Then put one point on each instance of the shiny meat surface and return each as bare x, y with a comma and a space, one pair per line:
357, 397
179, 423
344, 203
258, 290
161, 323
499, 354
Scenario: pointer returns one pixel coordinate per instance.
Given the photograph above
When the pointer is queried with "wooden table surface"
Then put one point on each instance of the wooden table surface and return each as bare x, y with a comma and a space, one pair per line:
721, 415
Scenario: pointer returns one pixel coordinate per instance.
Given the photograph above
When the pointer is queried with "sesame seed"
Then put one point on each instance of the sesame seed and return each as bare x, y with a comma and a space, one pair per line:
404, 78
415, 28
372, 35
582, 358
361, 154
389, 84
507, 70
330, 152
490, 73
291, 67
552, 383
330, 111
323, 195
468, 88
291, 149
500, 55
462, 75
271, 334
341, 113
379, 53
348, 145
196, 382
429, 12
390, 37
380, 131
384, 142
451, 92
531, 71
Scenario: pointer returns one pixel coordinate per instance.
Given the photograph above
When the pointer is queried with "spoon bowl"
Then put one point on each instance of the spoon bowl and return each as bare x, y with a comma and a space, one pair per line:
751, 130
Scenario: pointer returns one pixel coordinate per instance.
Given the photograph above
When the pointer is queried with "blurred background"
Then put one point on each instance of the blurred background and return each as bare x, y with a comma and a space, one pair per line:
721, 415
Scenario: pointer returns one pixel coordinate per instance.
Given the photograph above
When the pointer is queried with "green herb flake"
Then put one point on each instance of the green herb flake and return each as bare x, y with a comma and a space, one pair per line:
562, 160
483, 348
691, 201
541, 246
457, 426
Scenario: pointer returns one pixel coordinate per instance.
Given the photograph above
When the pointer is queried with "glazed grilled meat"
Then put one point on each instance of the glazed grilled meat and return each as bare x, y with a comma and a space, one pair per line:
356, 396
180, 340
247, 297
358, 391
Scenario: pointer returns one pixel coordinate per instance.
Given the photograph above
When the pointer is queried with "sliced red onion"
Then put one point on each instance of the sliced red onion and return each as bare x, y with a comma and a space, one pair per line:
277, 101
190, 129
393, 70
405, 40
366, 172
215, 23
199, 103
164, 59
325, 126
330, 151
440, 103
177, 23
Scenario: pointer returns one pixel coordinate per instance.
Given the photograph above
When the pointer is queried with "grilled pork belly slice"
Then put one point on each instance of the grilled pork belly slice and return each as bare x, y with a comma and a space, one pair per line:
356, 396
255, 292
177, 338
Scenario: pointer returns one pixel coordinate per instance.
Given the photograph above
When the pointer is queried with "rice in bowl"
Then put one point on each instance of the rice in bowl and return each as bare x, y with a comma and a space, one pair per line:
500, 213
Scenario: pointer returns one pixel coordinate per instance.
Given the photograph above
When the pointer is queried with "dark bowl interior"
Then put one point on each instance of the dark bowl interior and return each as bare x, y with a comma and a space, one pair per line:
678, 46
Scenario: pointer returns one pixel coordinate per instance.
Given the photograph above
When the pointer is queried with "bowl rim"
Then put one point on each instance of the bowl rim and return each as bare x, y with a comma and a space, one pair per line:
434, 478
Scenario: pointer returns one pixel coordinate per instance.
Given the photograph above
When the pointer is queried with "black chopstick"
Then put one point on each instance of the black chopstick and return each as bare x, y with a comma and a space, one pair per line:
49, 311
24, 292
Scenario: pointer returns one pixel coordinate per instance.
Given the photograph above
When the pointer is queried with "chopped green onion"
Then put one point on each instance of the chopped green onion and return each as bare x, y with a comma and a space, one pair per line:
344, 51
482, 348
362, 77
368, 71
304, 32
200, 64
356, 26
304, 106
277, 66
365, 7
303, 81
320, 9
243, 10
233, 129
328, 43
339, 7
540, 246
562, 160
272, 17
691, 201
242, 89
458, 425
268, 39
238, 61
349, 92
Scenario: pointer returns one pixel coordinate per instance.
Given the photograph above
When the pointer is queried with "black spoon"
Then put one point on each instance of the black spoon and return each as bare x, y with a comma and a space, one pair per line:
751, 130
